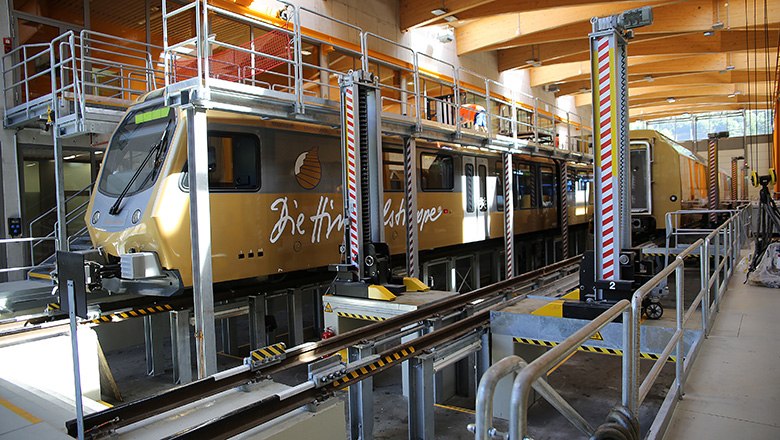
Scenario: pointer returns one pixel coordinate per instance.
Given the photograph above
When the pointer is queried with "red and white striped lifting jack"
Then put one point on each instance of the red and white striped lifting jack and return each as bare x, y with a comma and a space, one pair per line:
608, 43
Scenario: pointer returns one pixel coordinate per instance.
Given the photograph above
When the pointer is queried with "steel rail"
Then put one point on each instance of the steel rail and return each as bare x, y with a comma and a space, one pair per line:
253, 415
123, 415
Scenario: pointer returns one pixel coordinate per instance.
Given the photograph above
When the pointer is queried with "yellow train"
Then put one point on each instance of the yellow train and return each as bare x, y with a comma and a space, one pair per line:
666, 177
276, 204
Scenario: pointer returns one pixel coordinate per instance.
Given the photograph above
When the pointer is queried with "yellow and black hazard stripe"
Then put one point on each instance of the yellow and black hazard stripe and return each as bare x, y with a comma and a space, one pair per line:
134, 313
590, 349
381, 363
661, 254
52, 307
361, 317
270, 352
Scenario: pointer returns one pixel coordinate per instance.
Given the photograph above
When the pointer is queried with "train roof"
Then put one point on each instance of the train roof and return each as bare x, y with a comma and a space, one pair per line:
681, 150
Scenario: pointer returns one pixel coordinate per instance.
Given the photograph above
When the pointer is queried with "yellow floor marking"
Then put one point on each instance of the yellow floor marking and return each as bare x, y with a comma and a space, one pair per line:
561, 363
574, 294
455, 408
20, 412
553, 309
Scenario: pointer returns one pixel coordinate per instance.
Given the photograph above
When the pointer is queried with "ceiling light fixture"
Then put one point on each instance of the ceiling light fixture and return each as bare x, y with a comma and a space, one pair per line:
709, 33
649, 78
450, 18
305, 52
439, 11
533, 62
671, 100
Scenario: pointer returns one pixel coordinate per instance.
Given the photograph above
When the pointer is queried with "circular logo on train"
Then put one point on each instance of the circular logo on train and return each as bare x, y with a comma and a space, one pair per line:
308, 170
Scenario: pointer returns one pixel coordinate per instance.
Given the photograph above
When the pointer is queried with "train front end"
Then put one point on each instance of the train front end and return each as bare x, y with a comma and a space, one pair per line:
127, 258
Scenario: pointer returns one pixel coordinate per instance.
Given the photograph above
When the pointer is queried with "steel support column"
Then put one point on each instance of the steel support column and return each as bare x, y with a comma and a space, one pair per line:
257, 333
154, 328
200, 234
361, 398
180, 346
421, 398
509, 235
295, 316
410, 200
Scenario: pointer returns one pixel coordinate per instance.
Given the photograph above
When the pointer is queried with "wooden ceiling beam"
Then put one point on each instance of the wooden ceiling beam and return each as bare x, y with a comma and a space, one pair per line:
650, 44
672, 110
679, 79
417, 13
485, 32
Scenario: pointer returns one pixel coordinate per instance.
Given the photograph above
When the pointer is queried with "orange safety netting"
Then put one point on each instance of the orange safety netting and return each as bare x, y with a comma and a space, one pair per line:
236, 65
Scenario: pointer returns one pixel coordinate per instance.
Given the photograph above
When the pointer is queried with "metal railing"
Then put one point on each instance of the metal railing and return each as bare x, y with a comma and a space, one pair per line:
92, 68
71, 215
722, 245
423, 81
82, 70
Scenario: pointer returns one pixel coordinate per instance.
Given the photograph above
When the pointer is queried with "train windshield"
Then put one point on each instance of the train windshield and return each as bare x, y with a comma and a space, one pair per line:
136, 136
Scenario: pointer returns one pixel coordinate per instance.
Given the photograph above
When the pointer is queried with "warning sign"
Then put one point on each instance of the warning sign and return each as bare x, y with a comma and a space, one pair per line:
597, 337
328, 308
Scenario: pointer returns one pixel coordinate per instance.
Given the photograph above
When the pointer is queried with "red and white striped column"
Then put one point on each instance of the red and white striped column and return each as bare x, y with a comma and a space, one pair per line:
352, 198
564, 182
509, 235
606, 161
410, 196
712, 171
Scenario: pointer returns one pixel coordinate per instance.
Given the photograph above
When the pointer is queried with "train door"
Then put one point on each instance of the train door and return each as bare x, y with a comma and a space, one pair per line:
474, 203
483, 207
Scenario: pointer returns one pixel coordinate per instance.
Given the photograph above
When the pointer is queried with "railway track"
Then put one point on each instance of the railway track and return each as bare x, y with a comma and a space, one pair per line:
103, 422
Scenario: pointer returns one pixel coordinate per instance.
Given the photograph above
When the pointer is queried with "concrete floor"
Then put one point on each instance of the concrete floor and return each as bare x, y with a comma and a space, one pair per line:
733, 390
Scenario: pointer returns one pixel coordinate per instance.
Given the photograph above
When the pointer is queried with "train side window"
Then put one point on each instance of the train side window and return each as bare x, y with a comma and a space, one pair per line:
499, 187
436, 172
233, 162
549, 186
524, 182
393, 170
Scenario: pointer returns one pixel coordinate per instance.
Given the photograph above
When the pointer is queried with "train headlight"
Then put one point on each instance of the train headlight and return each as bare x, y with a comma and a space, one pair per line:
673, 198
95, 217
136, 216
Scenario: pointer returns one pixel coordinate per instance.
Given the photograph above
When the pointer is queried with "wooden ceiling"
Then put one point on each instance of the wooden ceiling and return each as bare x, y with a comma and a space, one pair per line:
697, 56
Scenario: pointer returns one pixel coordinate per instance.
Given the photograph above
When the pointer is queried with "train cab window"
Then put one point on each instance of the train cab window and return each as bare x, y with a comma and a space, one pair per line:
549, 186
393, 170
233, 161
524, 182
437, 172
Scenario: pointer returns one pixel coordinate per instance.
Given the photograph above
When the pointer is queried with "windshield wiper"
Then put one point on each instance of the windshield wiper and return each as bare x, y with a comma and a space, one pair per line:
115, 208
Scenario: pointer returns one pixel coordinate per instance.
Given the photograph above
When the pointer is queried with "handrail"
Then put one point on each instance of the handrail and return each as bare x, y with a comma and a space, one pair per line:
727, 239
